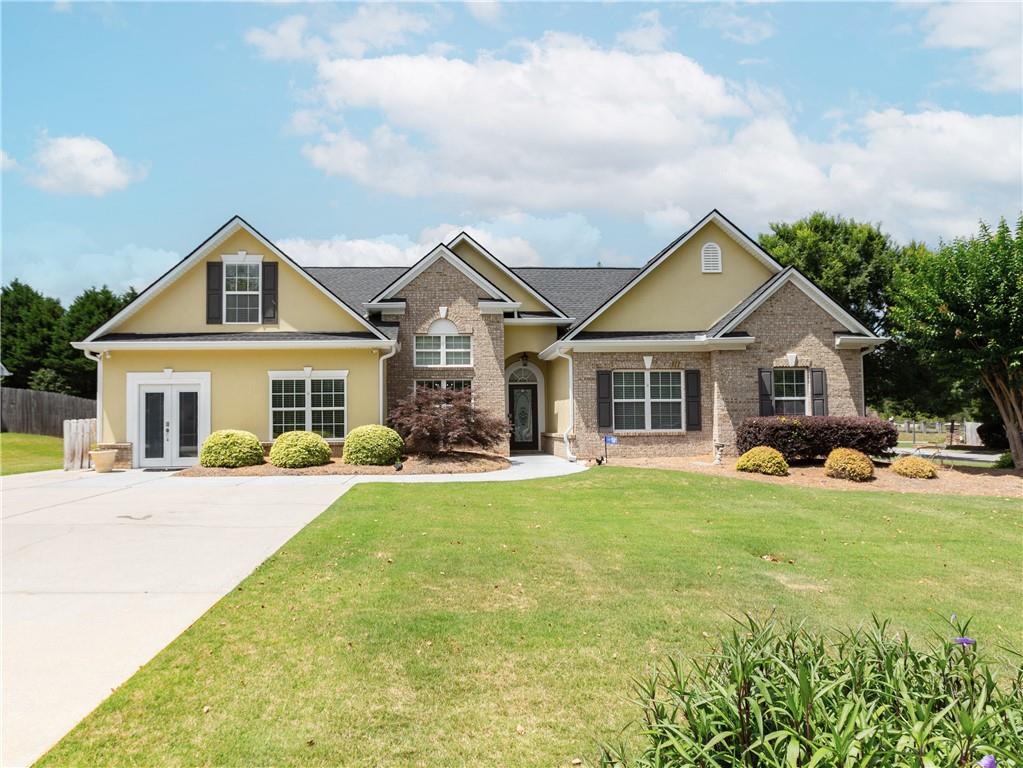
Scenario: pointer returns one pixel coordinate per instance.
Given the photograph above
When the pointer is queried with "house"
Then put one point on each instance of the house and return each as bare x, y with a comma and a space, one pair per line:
669, 357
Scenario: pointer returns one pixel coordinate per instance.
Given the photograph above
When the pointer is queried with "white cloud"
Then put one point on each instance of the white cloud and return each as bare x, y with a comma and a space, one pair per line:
738, 27
372, 27
7, 163
484, 10
561, 123
648, 34
993, 30
81, 165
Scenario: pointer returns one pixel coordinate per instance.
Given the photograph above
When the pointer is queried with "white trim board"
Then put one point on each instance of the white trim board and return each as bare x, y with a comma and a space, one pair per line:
467, 238
715, 217
202, 251
702, 343
441, 252
108, 346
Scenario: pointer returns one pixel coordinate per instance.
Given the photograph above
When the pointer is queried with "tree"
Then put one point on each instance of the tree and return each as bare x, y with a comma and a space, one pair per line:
91, 308
48, 380
28, 321
439, 420
961, 308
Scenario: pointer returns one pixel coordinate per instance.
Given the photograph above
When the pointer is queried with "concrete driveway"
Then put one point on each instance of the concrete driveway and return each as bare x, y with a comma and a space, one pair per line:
100, 572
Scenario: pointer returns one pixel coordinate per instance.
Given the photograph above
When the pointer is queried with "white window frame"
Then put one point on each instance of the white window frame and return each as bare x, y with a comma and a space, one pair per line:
244, 258
646, 400
308, 375
443, 350
807, 395
713, 251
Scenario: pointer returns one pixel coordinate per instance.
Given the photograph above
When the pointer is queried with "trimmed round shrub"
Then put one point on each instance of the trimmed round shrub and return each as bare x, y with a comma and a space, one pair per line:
1005, 461
915, 467
294, 450
763, 460
849, 464
811, 437
231, 448
373, 444
992, 435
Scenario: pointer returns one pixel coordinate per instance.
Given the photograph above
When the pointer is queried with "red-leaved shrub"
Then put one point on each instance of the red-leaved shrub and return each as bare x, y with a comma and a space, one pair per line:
439, 420
811, 437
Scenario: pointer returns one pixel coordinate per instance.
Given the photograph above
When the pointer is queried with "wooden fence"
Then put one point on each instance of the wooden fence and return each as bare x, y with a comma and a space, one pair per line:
79, 435
41, 413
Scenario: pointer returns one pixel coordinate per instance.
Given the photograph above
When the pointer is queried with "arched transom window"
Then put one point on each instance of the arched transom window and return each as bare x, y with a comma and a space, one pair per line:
522, 376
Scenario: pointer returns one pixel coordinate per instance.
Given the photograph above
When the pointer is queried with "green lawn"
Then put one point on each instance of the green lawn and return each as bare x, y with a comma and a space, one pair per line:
499, 624
29, 453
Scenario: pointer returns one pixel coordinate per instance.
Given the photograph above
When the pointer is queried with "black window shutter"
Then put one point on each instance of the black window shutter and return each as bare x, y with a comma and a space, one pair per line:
693, 422
214, 292
819, 392
269, 291
765, 382
604, 420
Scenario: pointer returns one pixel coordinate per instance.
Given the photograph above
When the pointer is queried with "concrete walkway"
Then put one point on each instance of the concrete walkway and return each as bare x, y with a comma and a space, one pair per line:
935, 452
100, 572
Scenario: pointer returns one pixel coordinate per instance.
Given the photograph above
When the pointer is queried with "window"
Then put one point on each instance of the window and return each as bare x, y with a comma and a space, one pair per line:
443, 351
647, 400
311, 400
242, 292
710, 257
456, 384
790, 392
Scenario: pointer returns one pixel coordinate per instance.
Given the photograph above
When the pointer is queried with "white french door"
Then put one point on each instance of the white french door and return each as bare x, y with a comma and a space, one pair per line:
169, 425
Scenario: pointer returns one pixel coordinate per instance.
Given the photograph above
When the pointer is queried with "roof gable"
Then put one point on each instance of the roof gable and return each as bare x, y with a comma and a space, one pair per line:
445, 253
235, 225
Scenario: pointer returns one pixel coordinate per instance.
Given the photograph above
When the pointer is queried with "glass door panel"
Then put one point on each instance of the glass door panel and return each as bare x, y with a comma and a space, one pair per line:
153, 425
188, 424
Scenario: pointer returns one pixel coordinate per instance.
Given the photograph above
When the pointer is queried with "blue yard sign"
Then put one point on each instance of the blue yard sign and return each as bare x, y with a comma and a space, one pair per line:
610, 440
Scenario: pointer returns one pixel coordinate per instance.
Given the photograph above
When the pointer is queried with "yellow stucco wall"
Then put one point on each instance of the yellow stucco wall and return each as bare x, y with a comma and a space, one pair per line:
557, 395
527, 338
181, 307
678, 296
240, 390
491, 272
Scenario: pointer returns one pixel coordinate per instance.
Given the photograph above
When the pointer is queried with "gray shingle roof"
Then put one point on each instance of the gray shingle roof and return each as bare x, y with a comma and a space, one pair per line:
355, 285
576, 291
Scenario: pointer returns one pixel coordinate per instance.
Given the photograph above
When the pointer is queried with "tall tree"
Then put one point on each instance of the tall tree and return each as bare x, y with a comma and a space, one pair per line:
28, 321
961, 308
90, 309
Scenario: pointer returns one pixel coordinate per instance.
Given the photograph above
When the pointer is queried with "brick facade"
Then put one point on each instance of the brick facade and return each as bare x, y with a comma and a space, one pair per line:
124, 450
442, 285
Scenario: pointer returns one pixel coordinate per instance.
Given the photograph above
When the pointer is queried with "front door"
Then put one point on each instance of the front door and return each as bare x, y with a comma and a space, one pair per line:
169, 427
525, 434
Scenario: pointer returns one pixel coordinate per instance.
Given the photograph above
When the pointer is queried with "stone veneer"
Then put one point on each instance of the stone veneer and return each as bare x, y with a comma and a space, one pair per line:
589, 442
123, 458
790, 321
442, 285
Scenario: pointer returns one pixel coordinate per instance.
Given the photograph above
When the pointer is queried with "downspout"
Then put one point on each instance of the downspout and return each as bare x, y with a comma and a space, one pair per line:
571, 407
98, 359
380, 378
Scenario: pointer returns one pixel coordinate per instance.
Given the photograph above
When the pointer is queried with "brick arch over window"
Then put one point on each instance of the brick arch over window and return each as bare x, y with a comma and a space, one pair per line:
443, 327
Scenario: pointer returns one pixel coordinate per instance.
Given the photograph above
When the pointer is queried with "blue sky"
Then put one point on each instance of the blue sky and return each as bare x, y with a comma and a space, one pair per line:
555, 133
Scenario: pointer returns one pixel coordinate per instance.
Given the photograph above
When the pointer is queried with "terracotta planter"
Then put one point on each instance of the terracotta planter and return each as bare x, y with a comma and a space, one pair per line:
103, 461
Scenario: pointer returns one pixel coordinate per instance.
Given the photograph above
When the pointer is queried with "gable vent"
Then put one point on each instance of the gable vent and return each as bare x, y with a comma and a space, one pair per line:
710, 255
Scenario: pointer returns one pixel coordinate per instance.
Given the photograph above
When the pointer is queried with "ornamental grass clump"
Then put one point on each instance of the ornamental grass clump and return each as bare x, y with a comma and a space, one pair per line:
298, 449
776, 696
849, 464
763, 460
372, 444
231, 448
915, 467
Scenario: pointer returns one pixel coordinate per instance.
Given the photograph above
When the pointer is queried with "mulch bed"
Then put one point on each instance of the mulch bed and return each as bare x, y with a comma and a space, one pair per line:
458, 462
967, 481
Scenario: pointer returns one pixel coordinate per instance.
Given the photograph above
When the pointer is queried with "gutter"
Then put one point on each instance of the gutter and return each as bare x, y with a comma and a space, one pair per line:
701, 343
571, 405
380, 380
97, 358
105, 346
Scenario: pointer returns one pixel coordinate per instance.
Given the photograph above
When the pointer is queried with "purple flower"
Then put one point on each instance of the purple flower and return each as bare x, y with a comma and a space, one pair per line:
965, 641
988, 761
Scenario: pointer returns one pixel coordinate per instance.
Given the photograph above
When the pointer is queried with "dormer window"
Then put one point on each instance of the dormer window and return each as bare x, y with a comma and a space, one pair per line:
242, 288
710, 257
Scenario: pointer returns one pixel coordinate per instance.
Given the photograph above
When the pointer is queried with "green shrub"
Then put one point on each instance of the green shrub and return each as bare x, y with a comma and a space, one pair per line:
764, 460
373, 444
776, 697
1005, 461
914, 466
849, 464
231, 448
294, 450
